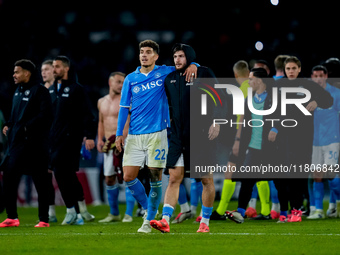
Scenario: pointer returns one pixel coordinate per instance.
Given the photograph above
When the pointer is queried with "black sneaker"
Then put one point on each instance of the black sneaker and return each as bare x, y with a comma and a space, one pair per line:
216, 216
261, 217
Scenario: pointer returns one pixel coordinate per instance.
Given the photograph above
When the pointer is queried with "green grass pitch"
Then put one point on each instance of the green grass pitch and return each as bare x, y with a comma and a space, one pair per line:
225, 237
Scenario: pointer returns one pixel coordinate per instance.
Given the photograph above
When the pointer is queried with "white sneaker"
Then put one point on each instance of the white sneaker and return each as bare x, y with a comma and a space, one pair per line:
69, 219
79, 221
234, 216
332, 213
110, 218
127, 218
87, 216
145, 228
318, 214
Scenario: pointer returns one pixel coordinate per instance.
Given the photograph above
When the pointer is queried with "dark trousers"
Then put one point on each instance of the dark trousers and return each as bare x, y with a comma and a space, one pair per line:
253, 158
69, 186
11, 180
51, 191
2, 202
291, 191
144, 177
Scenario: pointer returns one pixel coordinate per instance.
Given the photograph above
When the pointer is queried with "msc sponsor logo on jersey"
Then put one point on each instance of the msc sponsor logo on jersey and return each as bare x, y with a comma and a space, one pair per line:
149, 85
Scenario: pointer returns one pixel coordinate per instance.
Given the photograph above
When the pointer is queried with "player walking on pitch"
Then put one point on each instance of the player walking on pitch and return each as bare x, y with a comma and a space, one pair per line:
143, 91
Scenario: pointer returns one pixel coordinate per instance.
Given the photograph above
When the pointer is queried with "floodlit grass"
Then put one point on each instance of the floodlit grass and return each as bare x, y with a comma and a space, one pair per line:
225, 237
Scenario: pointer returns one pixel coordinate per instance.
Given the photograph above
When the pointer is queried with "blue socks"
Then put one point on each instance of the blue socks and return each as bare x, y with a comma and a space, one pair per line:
112, 197
273, 193
318, 189
138, 192
196, 189
130, 202
206, 212
241, 211
254, 193
182, 198
154, 199
334, 185
167, 210
284, 213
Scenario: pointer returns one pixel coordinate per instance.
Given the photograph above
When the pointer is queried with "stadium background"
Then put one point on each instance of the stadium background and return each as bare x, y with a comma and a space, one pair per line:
101, 36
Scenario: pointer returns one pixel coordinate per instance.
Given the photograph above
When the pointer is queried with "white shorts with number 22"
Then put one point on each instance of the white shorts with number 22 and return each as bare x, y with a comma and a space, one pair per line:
149, 149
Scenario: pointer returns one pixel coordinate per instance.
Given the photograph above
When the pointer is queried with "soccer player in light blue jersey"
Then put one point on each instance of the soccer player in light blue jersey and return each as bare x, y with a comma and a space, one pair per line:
144, 95
326, 144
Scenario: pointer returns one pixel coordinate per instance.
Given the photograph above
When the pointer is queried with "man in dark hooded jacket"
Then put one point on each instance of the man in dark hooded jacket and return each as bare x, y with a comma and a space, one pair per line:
27, 131
179, 94
73, 121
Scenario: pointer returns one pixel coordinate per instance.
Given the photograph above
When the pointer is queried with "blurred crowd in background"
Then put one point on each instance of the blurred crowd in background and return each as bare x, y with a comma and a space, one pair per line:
101, 37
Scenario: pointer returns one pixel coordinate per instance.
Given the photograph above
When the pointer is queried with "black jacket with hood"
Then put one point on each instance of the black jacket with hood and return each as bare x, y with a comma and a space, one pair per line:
180, 93
29, 127
73, 120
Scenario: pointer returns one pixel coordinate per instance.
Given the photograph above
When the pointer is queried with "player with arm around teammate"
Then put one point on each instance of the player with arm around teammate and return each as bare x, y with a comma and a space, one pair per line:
144, 94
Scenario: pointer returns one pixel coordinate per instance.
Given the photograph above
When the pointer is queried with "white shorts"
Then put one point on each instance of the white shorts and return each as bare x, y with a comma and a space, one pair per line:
149, 149
180, 161
109, 169
328, 154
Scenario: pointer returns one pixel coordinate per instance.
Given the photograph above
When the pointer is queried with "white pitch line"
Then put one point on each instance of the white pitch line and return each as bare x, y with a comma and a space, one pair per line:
132, 234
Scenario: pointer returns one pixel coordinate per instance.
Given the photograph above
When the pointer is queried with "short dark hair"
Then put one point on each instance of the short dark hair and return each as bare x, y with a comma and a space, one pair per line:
279, 62
117, 73
259, 72
177, 47
262, 61
65, 60
151, 44
320, 68
292, 59
26, 64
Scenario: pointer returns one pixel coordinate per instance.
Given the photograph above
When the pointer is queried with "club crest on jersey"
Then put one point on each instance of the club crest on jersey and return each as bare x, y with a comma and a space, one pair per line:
157, 75
27, 92
136, 89
66, 90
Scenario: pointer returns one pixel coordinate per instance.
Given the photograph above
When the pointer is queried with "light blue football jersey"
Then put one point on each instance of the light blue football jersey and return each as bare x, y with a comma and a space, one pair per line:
326, 121
146, 96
